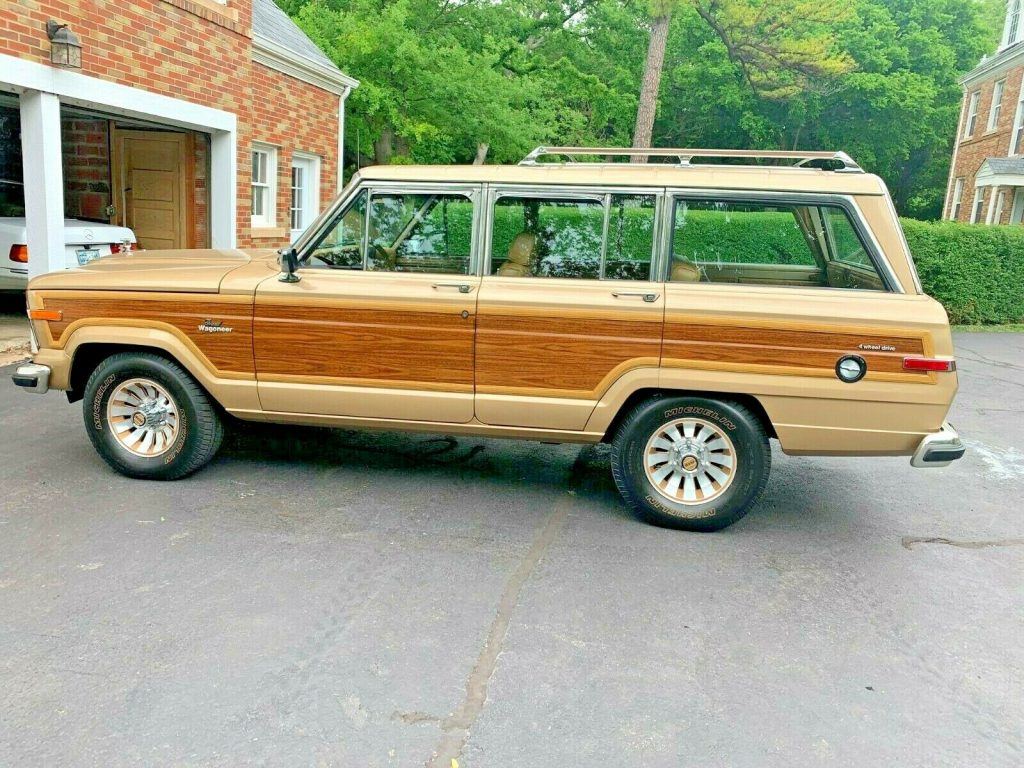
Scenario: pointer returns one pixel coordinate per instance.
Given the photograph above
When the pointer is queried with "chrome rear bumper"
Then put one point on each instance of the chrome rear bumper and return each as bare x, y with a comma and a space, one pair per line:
939, 449
32, 378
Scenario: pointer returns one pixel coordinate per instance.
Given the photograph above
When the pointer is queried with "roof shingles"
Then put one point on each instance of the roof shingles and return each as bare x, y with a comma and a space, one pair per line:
272, 23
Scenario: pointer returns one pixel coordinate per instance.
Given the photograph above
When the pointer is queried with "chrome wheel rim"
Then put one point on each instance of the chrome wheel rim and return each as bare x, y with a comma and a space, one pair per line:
690, 461
143, 417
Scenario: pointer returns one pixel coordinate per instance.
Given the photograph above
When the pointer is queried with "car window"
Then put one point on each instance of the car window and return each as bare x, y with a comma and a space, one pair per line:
341, 246
767, 243
420, 233
630, 237
848, 247
565, 237
399, 232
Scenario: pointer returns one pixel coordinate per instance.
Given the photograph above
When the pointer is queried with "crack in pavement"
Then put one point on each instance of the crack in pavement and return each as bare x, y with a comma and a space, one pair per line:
456, 727
909, 542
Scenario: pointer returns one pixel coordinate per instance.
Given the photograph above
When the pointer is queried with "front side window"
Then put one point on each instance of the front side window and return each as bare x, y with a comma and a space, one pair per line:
386, 231
765, 243
604, 236
419, 233
264, 173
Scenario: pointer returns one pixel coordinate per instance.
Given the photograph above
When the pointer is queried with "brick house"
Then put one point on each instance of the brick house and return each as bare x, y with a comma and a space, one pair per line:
986, 179
198, 123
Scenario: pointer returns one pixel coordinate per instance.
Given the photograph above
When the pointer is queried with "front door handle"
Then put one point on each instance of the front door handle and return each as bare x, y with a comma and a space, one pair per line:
461, 287
650, 298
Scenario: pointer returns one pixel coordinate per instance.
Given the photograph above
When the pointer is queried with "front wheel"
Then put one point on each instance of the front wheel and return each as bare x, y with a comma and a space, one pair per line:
690, 462
148, 418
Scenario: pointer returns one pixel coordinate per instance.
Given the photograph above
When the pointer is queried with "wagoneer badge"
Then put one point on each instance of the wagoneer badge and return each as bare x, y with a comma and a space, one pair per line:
214, 326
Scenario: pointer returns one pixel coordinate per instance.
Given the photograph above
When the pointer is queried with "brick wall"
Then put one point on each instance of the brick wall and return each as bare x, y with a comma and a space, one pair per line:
86, 157
293, 116
972, 152
200, 51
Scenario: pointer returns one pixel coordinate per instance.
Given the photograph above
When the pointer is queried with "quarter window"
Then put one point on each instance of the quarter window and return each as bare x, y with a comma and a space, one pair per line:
764, 243
604, 236
264, 183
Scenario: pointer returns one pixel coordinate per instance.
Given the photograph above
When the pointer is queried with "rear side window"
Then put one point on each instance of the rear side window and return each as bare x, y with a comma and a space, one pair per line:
763, 243
604, 236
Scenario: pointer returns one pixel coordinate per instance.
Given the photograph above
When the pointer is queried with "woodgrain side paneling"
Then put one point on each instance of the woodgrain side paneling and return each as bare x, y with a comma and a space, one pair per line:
815, 352
552, 354
228, 352
356, 343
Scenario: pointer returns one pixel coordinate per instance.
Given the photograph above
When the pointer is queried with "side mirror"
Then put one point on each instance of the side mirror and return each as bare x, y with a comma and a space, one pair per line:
289, 260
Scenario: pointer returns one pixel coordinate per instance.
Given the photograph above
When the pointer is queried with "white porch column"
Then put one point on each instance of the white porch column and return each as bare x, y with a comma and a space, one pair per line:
44, 181
223, 189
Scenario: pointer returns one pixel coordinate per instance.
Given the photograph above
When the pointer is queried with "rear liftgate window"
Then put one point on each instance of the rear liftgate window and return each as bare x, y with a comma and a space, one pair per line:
762, 243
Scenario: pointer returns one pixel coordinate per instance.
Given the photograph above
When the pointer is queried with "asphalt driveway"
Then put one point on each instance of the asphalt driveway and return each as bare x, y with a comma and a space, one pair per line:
329, 598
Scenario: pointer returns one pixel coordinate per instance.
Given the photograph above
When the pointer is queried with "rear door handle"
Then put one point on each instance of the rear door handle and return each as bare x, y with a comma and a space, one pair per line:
461, 287
650, 298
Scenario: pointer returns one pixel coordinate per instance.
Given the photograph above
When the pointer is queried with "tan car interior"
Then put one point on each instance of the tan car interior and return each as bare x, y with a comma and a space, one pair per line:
522, 256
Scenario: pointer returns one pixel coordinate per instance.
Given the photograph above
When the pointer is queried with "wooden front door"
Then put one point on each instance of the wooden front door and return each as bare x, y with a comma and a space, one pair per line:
153, 179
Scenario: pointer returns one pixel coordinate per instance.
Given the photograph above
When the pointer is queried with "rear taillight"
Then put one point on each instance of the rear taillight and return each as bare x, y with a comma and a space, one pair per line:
123, 247
19, 253
928, 364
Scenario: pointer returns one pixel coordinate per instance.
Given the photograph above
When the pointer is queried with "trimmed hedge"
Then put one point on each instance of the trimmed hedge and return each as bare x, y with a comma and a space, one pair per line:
977, 272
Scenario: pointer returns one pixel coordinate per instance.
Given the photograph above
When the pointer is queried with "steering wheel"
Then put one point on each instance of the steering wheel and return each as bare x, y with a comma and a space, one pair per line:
382, 253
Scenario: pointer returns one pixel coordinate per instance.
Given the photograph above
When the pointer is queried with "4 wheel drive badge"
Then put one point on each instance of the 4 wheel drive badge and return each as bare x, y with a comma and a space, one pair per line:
877, 347
214, 326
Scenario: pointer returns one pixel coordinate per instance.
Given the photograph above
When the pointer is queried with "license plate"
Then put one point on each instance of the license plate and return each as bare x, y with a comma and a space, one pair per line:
85, 255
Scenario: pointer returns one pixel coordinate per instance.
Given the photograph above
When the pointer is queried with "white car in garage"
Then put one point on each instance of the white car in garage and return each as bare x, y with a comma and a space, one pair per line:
83, 242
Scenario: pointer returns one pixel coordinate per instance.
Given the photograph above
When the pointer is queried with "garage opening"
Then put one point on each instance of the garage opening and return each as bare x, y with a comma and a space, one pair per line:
149, 178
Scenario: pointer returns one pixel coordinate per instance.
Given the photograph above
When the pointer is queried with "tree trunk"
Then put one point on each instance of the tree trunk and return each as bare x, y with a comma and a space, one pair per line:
384, 146
650, 85
481, 153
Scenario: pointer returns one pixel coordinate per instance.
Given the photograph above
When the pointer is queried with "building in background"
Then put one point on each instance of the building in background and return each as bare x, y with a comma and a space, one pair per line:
986, 179
197, 123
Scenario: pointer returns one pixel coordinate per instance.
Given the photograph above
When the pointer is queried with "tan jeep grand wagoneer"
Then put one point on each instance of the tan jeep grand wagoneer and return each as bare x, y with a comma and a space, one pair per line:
685, 309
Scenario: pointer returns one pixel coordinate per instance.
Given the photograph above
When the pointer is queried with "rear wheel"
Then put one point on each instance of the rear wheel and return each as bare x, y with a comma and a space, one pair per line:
691, 462
148, 418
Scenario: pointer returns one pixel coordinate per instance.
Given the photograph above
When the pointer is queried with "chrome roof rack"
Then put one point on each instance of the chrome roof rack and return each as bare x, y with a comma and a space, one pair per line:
840, 161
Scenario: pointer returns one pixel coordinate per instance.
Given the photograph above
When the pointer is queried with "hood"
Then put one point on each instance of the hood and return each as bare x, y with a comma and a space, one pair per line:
180, 271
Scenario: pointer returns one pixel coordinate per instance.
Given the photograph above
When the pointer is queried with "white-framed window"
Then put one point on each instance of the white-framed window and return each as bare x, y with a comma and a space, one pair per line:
305, 192
264, 185
1017, 137
958, 199
1012, 33
972, 115
997, 104
979, 204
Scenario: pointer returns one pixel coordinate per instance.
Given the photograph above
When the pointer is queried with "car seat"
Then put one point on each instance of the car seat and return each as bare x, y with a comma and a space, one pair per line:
521, 256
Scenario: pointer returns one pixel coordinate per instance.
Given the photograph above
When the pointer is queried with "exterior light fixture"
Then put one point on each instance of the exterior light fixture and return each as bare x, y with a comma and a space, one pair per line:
65, 47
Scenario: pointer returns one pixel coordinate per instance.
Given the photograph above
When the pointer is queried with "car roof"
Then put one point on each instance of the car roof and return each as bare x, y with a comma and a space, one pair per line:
734, 177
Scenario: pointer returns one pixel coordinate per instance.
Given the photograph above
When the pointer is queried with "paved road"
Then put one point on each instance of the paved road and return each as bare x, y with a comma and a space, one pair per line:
319, 598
